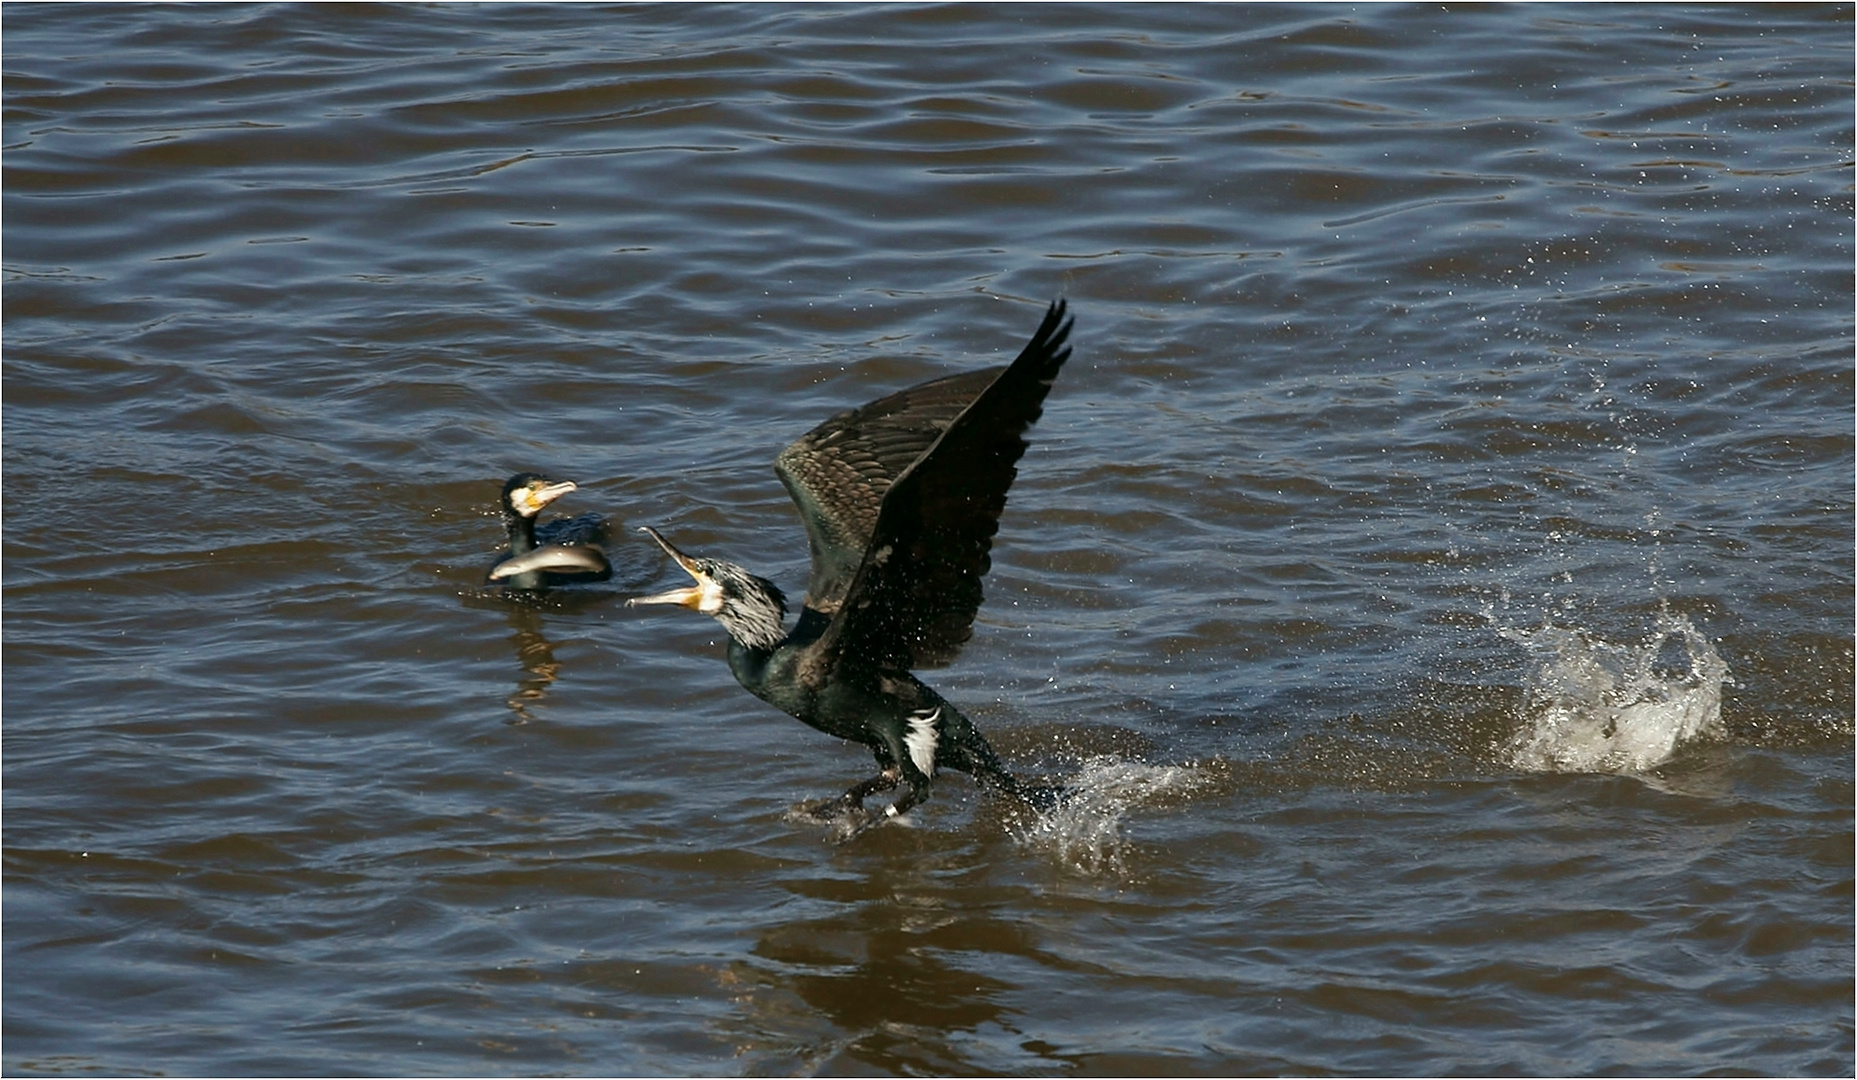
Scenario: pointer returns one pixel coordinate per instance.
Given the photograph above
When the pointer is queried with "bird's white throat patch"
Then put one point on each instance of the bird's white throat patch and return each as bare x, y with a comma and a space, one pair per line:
922, 738
709, 595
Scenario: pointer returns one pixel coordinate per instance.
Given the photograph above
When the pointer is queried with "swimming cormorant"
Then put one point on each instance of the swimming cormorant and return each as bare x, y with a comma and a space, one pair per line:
564, 551
901, 499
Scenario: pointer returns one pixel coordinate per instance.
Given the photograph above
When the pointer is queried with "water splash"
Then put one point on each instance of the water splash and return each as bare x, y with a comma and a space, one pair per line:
1592, 706
1084, 831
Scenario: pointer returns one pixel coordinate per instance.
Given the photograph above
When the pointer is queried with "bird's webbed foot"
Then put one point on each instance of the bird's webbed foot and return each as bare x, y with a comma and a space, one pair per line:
849, 825
846, 813
858, 819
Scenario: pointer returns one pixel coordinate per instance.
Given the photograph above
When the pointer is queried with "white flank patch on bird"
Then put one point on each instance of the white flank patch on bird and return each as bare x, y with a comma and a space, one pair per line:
922, 740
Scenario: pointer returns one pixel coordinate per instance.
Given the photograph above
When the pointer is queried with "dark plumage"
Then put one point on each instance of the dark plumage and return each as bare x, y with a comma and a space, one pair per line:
564, 551
901, 499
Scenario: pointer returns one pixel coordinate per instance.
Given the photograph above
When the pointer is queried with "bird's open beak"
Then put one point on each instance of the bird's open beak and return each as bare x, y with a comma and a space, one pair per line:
691, 597
531, 502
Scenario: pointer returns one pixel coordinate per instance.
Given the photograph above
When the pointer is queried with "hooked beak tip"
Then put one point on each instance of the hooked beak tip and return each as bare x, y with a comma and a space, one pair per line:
670, 549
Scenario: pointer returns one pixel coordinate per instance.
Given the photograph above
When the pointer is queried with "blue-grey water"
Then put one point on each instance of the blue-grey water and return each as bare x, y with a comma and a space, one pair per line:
1433, 569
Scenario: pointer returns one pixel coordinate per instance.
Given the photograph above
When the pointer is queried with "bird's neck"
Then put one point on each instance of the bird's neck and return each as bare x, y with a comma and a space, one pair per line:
749, 665
521, 534
771, 675
757, 628
766, 670
521, 542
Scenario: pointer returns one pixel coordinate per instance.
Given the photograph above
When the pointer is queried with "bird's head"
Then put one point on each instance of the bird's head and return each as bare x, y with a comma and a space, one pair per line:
752, 609
526, 494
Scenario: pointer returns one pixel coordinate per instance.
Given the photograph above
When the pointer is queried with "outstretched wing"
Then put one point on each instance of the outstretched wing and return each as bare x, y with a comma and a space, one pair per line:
839, 472
912, 601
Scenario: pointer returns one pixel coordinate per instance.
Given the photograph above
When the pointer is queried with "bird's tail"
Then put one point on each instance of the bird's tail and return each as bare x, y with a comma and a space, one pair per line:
978, 759
1043, 798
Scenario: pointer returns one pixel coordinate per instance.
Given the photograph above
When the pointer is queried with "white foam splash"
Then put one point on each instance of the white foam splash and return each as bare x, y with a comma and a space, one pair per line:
1592, 706
1085, 829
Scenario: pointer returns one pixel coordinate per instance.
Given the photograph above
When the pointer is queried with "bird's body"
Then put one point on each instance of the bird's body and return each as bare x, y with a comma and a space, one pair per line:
901, 499
564, 551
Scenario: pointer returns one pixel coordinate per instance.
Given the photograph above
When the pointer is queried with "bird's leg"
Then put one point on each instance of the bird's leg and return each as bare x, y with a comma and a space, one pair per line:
883, 781
855, 821
918, 790
852, 801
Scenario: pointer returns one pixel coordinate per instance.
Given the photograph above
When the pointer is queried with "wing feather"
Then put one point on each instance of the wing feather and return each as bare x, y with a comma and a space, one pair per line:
839, 472
912, 601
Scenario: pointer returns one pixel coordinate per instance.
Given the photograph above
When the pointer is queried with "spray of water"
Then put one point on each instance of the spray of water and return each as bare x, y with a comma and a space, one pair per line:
1593, 706
1084, 830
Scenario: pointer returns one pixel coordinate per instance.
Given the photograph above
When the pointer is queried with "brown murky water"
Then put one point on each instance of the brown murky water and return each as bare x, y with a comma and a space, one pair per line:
1434, 569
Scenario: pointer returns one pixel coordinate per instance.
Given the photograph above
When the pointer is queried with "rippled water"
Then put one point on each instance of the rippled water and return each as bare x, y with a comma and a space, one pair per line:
1434, 568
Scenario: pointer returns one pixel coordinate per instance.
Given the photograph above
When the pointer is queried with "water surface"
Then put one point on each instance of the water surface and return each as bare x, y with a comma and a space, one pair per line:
1434, 567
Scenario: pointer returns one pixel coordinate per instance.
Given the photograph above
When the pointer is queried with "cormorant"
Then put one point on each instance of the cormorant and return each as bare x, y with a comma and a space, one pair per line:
565, 551
901, 499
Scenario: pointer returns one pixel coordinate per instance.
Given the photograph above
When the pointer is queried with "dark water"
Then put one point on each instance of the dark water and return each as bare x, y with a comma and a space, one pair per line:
1434, 567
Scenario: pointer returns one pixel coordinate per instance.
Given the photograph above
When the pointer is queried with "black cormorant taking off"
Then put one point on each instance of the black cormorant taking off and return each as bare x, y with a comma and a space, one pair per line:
901, 499
564, 551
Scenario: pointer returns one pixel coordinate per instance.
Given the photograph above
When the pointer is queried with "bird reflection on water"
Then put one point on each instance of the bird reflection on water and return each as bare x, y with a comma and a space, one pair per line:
536, 654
